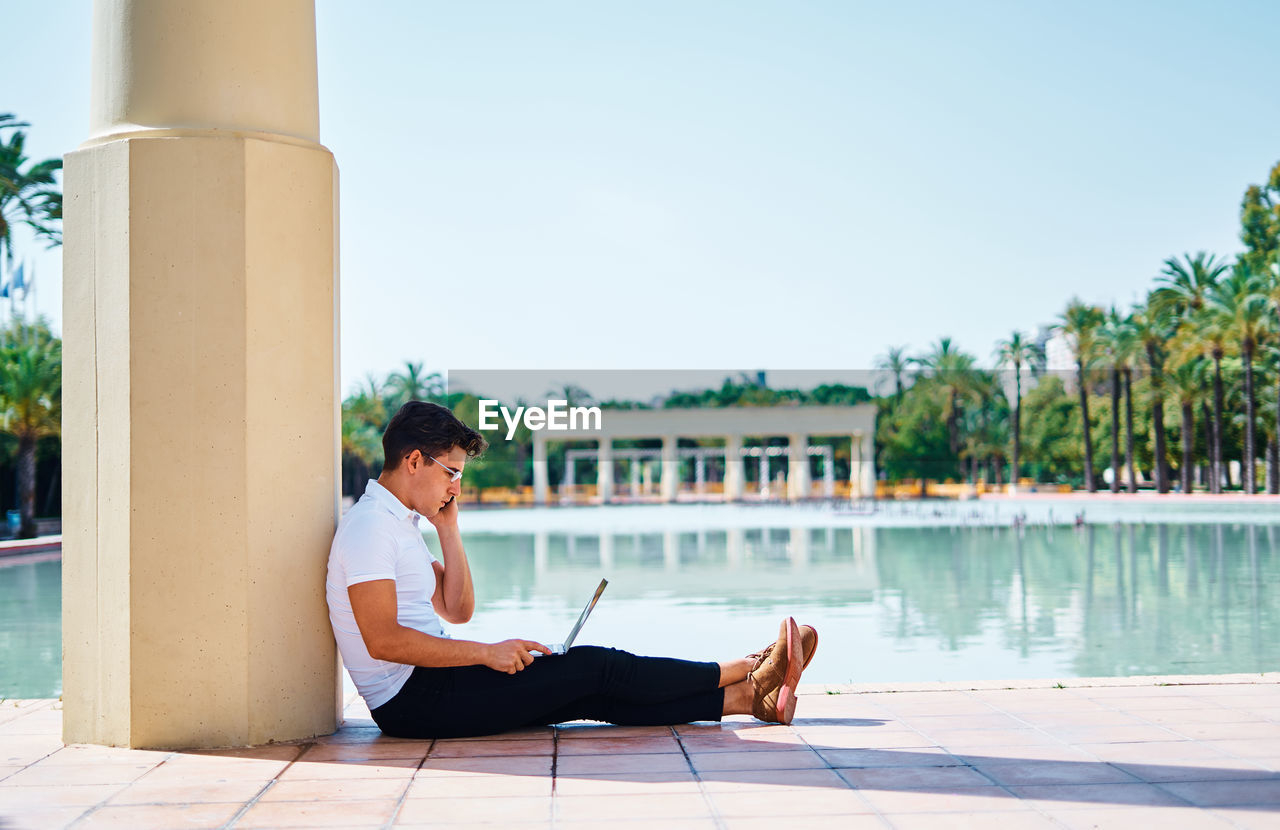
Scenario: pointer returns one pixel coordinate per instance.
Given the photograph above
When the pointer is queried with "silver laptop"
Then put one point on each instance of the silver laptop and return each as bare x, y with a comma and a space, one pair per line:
561, 648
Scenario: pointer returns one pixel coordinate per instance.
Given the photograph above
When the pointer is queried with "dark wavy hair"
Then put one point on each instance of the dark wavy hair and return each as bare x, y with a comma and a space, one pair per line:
429, 428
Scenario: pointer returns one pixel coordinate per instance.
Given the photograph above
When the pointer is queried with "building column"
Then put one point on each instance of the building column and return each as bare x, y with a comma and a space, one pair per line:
699, 472
541, 483
670, 482
797, 467
862, 472
200, 312
570, 472
633, 471
734, 475
604, 470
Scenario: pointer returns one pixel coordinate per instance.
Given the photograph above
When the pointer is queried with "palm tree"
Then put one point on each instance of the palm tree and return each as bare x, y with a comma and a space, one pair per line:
413, 384
896, 363
364, 416
1120, 338
1184, 287
952, 371
1079, 323
1207, 332
1152, 329
1184, 284
1187, 381
1017, 352
1240, 306
1110, 334
28, 196
31, 403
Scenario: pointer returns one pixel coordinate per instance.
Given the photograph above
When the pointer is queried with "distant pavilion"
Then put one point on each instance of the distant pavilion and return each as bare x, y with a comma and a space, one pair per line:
732, 425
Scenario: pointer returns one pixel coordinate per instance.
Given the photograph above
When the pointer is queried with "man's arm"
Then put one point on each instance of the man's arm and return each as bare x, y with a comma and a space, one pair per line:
374, 605
454, 598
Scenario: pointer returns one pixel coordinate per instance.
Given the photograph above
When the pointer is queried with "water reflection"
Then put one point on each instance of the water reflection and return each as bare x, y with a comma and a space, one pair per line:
908, 603
941, 603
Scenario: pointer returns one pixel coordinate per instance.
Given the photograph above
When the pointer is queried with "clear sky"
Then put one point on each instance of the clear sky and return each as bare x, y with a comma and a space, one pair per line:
743, 185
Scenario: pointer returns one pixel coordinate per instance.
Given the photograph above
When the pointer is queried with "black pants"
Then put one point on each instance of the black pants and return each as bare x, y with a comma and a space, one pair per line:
588, 682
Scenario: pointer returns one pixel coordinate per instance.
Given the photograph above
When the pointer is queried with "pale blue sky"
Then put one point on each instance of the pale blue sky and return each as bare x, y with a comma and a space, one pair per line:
742, 184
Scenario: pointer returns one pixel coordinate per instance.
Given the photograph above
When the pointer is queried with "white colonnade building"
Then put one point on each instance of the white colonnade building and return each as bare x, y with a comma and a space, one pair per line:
733, 425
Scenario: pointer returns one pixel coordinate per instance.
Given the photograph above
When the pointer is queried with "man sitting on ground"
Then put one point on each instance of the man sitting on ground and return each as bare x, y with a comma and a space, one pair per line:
387, 596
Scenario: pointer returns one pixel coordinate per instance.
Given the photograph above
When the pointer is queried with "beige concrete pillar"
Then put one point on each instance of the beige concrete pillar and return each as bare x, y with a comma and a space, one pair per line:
798, 467
670, 482
541, 485
604, 470
735, 478
200, 389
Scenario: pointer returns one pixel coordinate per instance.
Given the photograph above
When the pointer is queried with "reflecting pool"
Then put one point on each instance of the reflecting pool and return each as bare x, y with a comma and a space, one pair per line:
890, 603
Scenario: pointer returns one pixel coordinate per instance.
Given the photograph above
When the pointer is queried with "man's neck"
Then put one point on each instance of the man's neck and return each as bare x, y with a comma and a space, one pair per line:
392, 486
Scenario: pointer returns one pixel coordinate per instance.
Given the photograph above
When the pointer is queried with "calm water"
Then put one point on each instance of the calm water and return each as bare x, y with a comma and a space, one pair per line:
890, 603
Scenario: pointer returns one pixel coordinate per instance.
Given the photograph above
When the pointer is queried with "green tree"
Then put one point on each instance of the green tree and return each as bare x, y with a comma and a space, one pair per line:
364, 417
1080, 323
1260, 223
896, 363
29, 192
951, 373
1185, 286
1053, 435
1017, 352
413, 383
1187, 379
31, 403
1153, 328
1240, 307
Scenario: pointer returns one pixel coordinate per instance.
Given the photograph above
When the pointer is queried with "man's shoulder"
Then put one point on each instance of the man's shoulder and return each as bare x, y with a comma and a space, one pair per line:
364, 521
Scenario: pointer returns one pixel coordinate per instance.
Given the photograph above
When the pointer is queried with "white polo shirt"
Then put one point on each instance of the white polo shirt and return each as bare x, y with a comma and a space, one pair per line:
379, 538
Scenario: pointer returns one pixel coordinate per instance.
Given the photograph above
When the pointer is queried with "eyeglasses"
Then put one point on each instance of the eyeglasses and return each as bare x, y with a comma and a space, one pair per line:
454, 475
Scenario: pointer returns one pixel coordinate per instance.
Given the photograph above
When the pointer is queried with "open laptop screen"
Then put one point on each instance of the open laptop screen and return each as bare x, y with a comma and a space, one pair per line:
586, 612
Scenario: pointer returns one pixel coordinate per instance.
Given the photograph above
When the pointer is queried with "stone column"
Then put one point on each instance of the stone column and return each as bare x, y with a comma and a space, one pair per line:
828, 473
201, 400
867, 464
798, 467
541, 484
699, 472
734, 474
633, 472
604, 470
670, 482
855, 467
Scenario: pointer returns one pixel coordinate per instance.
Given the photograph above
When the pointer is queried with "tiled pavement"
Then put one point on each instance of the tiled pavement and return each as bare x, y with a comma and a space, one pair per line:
1133, 755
